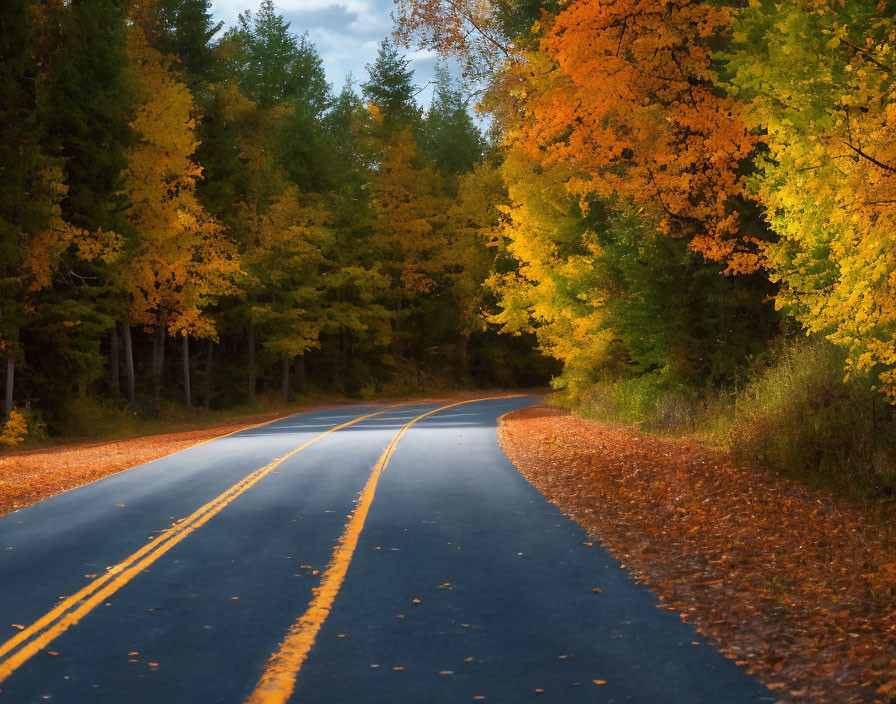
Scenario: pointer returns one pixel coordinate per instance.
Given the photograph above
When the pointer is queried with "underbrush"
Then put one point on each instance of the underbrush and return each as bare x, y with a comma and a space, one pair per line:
94, 420
794, 413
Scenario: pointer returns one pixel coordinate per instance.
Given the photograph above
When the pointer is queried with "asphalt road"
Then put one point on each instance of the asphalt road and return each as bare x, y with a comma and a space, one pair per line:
226, 573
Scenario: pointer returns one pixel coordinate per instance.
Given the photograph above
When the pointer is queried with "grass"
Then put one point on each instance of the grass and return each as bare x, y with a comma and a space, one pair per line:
102, 420
795, 414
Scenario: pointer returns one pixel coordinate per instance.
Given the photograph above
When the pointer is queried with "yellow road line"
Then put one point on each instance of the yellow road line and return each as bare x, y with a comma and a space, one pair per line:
279, 679
71, 610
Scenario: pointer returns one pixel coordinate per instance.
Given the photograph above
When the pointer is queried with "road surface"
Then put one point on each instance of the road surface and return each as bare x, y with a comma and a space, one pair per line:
335, 556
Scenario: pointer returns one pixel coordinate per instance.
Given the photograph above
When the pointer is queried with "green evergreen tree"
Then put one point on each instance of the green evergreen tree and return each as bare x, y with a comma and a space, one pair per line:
87, 110
305, 150
390, 87
185, 28
449, 136
28, 195
267, 59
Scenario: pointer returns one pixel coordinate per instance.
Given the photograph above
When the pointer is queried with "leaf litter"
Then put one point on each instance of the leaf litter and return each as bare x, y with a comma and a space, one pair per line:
795, 585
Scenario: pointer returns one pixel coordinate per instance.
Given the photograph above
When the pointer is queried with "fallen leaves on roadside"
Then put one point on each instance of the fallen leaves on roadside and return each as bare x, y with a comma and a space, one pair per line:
27, 477
796, 585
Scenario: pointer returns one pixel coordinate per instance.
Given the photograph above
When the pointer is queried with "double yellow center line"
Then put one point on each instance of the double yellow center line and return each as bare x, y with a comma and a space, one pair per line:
31, 640
277, 683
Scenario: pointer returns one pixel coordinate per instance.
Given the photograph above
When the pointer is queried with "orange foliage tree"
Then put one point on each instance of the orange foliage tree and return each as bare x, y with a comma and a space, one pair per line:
625, 91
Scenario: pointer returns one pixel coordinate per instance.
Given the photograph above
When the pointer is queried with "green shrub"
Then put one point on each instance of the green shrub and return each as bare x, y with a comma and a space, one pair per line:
798, 416
795, 414
646, 401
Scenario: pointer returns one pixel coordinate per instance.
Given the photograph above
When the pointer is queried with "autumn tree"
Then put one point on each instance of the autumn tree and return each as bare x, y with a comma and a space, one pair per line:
625, 92
818, 79
479, 34
614, 298
407, 196
179, 262
471, 251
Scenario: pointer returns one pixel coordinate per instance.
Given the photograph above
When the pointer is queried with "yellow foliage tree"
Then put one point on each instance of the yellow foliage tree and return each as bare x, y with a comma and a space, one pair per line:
179, 261
410, 210
818, 78
556, 289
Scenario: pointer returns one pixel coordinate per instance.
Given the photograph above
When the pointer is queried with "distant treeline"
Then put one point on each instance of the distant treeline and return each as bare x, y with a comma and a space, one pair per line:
195, 216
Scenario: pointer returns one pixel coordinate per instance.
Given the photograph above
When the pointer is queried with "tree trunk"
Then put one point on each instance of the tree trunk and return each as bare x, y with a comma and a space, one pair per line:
251, 363
208, 374
158, 362
114, 354
300, 372
129, 360
463, 358
10, 380
284, 358
188, 397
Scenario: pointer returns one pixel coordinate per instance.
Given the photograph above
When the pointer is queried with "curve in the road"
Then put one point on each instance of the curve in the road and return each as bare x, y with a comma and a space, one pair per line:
278, 681
31, 640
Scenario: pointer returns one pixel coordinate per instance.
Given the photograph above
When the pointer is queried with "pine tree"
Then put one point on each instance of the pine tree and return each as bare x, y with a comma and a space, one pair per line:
33, 235
184, 29
86, 104
303, 144
390, 87
266, 57
448, 135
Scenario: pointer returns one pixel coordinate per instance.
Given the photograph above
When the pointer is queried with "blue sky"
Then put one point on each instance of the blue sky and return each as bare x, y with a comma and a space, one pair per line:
347, 33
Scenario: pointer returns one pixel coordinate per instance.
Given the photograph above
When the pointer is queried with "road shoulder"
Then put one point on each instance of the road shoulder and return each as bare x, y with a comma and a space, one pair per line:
796, 586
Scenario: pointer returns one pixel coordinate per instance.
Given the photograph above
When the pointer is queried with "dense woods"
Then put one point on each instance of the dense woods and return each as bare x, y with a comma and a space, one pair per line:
192, 215
681, 211
699, 212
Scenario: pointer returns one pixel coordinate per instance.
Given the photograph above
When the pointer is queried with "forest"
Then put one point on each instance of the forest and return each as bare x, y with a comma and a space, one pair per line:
681, 213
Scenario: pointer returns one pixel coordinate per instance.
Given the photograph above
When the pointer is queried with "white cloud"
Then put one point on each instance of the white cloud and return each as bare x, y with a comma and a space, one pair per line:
347, 33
